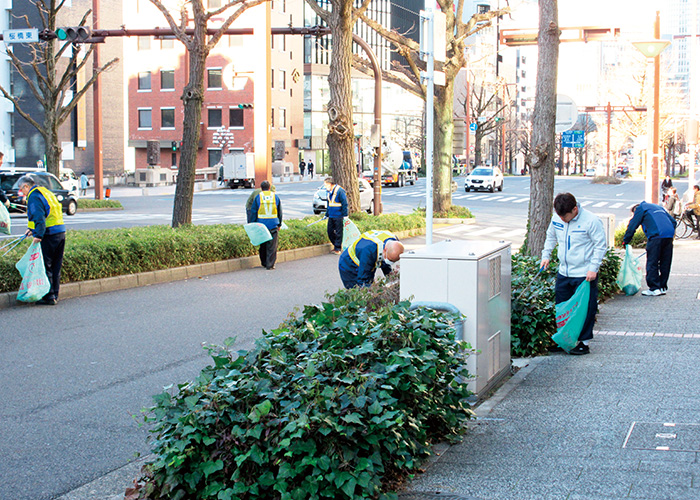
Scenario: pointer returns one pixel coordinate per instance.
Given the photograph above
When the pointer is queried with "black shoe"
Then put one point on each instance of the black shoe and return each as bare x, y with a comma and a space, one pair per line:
47, 302
554, 348
580, 349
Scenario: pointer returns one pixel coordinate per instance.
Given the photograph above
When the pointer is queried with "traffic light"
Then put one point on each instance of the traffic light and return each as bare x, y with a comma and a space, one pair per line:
75, 34
246, 105
173, 145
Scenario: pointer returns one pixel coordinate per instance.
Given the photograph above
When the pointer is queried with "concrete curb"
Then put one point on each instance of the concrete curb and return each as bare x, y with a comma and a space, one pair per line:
114, 283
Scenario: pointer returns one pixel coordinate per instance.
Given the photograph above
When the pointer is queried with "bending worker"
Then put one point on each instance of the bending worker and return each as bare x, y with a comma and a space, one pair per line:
372, 250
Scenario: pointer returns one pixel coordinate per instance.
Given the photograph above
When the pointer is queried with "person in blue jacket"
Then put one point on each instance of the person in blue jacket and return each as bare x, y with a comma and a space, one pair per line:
372, 250
267, 210
336, 209
45, 223
659, 227
582, 246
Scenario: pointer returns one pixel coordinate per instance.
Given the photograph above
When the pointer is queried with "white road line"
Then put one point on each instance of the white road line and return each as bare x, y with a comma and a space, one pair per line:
616, 205
586, 203
600, 204
514, 232
522, 200
509, 198
481, 196
486, 230
496, 198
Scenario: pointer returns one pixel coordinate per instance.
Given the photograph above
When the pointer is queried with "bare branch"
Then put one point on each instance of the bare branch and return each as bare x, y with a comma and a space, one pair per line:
400, 78
178, 30
65, 111
394, 37
360, 10
245, 5
319, 11
19, 109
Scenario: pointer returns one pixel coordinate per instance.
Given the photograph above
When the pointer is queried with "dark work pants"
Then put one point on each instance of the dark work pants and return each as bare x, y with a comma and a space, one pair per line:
268, 251
659, 257
52, 246
335, 232
565, 289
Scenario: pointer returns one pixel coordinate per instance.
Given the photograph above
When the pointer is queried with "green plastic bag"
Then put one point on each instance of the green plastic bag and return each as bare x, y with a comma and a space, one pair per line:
257, 232
4, 220
629, 279
350, 233
34, 284
571, 315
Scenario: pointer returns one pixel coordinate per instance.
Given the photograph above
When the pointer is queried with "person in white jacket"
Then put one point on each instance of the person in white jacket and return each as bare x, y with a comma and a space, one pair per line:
582, 246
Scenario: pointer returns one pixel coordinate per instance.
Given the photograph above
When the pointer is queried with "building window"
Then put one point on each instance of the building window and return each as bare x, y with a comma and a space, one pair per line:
235, 117
283, 118
167, 79
214, 157
145, 118
214, 78
272, 117
214, 117
167, 118
283, 80
144, 42
145, 81
272, 78
167, 43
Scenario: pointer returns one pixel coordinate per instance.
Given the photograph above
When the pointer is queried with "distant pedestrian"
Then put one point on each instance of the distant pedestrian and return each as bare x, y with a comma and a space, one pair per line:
310, 167
45, 224
336, 209
267, 209
673, 203
302, 167
666, 184
251, 199
84, 183
373, 250
582, 246
659, 228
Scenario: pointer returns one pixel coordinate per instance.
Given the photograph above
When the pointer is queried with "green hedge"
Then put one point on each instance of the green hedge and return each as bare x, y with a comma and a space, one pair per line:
532, 309
93, 254
639, 239
89, 203
341, 402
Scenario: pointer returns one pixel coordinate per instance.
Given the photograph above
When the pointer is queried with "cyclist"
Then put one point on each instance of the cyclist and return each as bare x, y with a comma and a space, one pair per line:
693, 209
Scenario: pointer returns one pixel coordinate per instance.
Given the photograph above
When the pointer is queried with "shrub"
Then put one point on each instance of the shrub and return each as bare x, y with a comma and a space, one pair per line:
454, 212
88, 203
337, 403
606, 179
639, 239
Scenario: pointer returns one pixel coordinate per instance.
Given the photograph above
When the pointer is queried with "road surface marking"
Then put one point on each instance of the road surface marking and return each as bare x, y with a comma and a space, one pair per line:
586, 203
600, 204
616, 205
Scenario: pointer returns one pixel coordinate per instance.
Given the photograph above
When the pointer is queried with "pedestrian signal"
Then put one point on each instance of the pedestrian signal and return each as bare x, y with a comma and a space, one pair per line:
173, 145
74, 33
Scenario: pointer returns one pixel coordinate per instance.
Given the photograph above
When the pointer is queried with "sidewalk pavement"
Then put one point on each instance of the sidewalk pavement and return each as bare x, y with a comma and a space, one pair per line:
621, 422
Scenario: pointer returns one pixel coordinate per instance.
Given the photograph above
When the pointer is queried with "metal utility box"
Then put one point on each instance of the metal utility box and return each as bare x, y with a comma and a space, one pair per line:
475, 277
608, 221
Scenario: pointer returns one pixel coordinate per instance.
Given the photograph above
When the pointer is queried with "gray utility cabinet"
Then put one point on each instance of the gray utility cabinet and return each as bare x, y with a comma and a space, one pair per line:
473, 276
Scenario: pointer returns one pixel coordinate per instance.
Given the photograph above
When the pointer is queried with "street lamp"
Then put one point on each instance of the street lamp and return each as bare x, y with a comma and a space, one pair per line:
222, 137
651, 49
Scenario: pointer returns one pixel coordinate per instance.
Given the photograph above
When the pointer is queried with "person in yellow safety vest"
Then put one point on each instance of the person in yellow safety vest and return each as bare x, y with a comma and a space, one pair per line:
336, 209
373, 250
45, 223
267, 210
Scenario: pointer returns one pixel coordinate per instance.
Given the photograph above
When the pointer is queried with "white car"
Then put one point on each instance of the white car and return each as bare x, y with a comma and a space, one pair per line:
69, 181
366, 198
590, 172
488, 178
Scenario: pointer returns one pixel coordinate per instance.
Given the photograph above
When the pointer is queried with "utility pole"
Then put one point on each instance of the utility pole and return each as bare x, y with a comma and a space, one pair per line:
97, 107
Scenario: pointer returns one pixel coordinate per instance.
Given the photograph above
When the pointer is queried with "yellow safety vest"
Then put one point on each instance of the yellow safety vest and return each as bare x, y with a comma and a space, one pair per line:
332, 196
55, 216
378, 237
268, 207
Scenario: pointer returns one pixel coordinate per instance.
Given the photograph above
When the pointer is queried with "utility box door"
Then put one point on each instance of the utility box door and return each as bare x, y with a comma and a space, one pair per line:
474, 276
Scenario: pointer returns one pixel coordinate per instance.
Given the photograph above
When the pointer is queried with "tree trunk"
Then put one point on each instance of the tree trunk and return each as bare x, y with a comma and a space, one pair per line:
192, 98
444, 131
541, 158
52, 145
340, 128
478, 137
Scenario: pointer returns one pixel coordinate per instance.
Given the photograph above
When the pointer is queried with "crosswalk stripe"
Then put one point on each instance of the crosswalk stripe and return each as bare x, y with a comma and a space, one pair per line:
486, 230
514, 232
600, 204
496, 198
616, 205
586, 203
480, 197
509, 198
522, 200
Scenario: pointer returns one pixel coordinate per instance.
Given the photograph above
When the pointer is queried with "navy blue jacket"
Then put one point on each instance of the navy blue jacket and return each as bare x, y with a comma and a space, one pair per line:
271, 224
337, 203
656, 222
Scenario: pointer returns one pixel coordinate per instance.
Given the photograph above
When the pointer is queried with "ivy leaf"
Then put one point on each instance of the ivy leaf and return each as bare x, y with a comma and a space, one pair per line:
375, 408
210, 468
352, 418
259, 411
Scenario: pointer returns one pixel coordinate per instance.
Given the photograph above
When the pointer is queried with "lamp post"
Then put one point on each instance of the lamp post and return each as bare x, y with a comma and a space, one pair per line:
223, 138
652, 50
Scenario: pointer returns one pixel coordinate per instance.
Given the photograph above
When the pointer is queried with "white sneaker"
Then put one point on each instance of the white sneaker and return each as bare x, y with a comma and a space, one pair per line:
652, 293
663, 291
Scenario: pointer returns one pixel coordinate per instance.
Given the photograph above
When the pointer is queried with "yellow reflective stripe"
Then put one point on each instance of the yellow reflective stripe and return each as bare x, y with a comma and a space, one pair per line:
377, 236
268, 207
332, 196
55, 216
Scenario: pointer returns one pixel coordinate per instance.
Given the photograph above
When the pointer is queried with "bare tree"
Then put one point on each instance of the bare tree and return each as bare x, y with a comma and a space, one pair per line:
50, 77
409, 78
541, 157
408, 132
194, 15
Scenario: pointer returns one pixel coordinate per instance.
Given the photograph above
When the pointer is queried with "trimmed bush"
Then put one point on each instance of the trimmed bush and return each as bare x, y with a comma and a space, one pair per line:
87, 203
93, 254
533, 309
338, 403
454, 212
639, 239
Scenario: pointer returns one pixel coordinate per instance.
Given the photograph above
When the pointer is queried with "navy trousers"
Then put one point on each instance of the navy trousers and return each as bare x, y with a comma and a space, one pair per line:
565, 288
52, 246
268, 250
659, 257
335, 232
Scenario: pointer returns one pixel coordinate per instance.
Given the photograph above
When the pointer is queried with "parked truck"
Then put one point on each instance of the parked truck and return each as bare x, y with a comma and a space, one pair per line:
396, 170
238, 169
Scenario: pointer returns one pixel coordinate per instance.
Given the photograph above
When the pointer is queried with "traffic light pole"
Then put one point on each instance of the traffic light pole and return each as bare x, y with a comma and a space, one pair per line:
97, 108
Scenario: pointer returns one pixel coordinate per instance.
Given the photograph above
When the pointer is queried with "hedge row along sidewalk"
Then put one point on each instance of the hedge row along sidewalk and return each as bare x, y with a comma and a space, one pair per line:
115, 259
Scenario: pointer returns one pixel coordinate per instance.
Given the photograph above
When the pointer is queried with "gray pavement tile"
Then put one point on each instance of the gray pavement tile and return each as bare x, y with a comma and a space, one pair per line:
692, 468
595, 488
660, 492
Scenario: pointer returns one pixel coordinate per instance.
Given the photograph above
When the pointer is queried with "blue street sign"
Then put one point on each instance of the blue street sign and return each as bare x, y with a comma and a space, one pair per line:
573, 139
472, 127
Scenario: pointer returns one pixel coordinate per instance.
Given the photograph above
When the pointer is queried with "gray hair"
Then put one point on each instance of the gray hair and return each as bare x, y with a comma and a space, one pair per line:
25, 180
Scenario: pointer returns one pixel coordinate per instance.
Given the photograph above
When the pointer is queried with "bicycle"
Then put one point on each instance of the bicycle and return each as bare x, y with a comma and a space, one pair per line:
685, 226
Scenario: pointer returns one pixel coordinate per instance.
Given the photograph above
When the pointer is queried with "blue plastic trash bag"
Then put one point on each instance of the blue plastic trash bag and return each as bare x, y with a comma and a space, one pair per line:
350, 233
257, 232
34, 284
4, 220
571, 315
629, 279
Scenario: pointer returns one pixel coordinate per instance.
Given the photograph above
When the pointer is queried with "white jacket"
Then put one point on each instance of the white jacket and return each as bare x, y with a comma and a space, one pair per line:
582, 244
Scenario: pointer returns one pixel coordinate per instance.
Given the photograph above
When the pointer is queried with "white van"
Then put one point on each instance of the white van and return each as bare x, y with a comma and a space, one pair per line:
70, 181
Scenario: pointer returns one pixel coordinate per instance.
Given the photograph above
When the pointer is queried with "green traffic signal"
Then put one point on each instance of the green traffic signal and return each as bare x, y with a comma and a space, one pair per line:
74, 33
61, 34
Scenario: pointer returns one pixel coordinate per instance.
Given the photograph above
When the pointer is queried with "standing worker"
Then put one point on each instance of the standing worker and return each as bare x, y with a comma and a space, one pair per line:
45, 223
659, 227
267, 210
251, 199
373, 250
582, 246
336, 209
